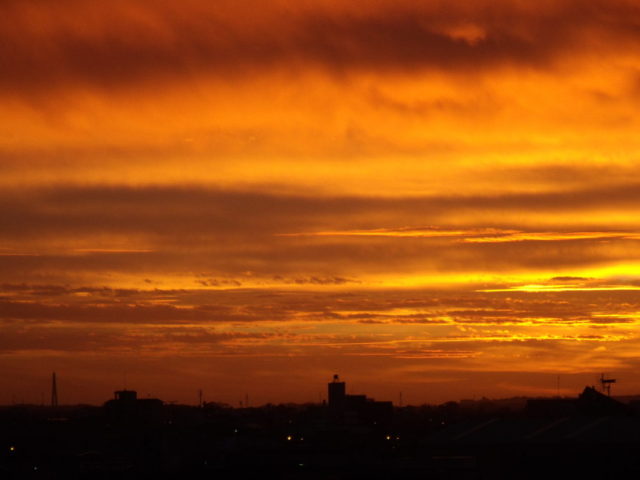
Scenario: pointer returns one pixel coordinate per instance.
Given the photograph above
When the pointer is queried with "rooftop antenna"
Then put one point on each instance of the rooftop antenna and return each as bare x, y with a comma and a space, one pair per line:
606, 384
54, 390
200, 398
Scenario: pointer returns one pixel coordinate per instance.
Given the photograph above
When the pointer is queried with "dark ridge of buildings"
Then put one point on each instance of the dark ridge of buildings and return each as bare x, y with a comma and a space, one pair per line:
350, 437
590, 402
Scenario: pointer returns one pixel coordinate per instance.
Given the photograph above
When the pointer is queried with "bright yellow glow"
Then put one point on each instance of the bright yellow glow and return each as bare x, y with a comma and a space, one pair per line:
560, 288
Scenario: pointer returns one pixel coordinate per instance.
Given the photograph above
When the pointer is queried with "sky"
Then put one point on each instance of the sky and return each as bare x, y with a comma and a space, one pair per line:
438, 198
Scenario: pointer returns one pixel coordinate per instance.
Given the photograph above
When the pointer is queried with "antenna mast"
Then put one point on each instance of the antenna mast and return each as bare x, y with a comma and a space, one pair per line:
606, 384
54, 390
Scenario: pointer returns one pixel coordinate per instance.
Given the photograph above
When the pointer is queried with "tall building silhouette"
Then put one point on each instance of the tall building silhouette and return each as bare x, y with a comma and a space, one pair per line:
337, 393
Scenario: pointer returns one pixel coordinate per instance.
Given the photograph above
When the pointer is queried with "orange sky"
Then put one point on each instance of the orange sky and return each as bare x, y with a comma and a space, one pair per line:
435, 197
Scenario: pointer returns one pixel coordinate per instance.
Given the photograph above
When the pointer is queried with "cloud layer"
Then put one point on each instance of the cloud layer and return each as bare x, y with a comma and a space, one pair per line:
47, 44
409, 193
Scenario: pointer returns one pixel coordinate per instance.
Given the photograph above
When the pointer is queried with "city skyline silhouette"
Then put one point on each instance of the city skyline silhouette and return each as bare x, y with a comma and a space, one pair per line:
220, 205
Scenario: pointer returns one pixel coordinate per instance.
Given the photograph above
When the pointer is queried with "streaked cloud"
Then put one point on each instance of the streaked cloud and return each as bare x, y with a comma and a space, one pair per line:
486, 235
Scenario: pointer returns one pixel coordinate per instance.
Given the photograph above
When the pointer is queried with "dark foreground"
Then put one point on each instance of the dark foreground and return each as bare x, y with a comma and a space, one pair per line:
588, 438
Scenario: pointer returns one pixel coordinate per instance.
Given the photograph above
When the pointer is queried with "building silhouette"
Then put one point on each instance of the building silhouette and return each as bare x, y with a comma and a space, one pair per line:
127, 408
337, 393
356, 409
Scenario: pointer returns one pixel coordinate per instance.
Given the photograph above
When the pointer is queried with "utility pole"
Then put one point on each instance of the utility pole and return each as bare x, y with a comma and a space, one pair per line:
54, 390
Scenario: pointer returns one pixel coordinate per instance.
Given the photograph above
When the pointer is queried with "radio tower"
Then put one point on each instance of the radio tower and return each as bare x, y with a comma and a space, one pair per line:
54, 391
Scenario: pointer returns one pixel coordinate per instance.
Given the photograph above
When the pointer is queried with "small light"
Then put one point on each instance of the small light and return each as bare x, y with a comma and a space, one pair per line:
235, 430
388, 437
12, 449
289, 437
